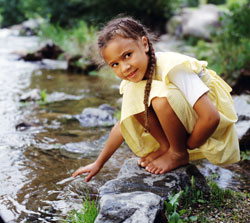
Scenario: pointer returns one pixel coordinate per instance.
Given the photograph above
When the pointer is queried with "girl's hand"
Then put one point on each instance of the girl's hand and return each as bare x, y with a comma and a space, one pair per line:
92, 169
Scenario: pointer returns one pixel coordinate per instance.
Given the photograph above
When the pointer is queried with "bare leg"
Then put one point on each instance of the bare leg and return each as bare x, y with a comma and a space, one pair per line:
157, 132
176, 134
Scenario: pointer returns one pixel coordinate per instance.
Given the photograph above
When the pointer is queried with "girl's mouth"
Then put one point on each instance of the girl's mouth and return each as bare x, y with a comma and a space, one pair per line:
131, 75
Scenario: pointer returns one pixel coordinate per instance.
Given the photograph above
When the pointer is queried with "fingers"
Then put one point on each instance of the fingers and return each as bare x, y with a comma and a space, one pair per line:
79, 171
88, 178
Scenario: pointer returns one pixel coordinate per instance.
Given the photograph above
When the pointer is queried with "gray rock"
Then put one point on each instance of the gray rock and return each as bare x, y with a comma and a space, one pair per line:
135, 207
137, 195
33, 95
242, 107
134, 178
29, 27
97, 117
201, 23
195, 22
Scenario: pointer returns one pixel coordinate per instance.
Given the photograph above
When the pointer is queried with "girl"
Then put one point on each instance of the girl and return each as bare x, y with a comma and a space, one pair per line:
173, 110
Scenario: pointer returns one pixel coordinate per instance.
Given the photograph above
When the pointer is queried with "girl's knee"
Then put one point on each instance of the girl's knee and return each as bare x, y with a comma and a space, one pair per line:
160, 104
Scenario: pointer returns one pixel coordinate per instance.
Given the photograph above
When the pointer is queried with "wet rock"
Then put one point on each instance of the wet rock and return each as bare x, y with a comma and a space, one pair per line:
33, 95
135, 184
97, 117
199, 23
130, 207
49, 51
80, 150
23, 126
242, 107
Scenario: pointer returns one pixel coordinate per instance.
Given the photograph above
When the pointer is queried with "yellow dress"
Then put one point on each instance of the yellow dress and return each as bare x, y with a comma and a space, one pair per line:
220, 149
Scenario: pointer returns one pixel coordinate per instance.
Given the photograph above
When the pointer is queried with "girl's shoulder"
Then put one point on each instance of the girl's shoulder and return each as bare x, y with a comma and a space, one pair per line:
166, 61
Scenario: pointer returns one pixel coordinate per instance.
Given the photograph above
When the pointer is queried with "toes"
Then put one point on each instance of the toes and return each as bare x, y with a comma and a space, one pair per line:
145, 163
141, 161
150, 168
158, 171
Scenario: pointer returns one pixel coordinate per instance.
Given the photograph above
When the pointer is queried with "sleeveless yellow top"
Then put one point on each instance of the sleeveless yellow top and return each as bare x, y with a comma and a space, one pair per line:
220, 149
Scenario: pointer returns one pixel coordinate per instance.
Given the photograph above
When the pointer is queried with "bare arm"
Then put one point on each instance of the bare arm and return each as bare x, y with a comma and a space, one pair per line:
207, 122
115, 139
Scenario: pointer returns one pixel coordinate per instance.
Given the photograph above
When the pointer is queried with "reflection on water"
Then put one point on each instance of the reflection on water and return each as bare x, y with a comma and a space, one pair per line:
36, 164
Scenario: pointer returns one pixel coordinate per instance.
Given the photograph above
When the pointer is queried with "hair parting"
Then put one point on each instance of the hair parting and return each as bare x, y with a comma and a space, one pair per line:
128, 27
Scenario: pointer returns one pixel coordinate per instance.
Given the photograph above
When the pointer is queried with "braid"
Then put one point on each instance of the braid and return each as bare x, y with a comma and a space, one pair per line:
128, 27
150, 72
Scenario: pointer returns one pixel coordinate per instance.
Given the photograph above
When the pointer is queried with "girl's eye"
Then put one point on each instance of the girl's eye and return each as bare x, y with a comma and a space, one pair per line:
127, 55
114, 65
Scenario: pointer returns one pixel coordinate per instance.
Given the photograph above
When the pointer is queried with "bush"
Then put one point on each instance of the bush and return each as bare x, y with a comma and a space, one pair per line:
67, 13
11, 12
216, 2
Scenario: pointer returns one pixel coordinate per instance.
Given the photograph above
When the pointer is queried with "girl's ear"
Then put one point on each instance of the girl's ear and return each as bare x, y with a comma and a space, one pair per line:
145, 43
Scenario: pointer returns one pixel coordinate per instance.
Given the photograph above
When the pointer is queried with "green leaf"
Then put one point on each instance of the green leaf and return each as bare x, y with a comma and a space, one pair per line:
183, 211
175, 198
175, 218
201, 201
193, 218
169, 207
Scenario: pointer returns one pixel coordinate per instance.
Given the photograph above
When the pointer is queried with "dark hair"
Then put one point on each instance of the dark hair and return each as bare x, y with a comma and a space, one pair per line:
128, 27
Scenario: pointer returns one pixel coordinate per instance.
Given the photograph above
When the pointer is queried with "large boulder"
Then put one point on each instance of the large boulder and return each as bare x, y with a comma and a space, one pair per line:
130, 207
134, 179
195, 22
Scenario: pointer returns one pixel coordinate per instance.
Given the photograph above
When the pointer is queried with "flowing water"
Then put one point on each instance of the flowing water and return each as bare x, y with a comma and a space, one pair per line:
37, 161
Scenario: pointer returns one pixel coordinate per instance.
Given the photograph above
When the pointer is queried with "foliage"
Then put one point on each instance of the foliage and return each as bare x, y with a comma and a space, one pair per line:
191, 195
11, 12
87, 214
79, 43
78, 40
245, 155
190, 206
67, 13
43, 100
216, 2
171, 206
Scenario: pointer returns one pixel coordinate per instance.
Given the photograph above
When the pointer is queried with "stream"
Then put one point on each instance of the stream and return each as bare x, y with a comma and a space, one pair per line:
37, 161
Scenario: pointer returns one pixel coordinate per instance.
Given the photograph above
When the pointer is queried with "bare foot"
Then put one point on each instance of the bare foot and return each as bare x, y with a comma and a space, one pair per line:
167, 162
144, 161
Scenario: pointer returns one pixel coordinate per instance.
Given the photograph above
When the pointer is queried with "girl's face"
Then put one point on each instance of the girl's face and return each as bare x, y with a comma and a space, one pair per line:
127, 57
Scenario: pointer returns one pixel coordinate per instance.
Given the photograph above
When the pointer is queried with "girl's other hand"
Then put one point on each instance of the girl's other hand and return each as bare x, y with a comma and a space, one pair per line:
92, 169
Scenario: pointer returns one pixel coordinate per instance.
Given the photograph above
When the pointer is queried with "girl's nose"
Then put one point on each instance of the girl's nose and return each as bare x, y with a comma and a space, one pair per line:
125, 67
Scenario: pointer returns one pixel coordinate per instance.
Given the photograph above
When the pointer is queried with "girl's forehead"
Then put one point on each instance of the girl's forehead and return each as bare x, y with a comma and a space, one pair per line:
119, 40
117, 46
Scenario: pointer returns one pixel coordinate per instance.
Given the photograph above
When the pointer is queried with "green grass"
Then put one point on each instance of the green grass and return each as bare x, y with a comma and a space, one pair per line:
189, 205
87, 214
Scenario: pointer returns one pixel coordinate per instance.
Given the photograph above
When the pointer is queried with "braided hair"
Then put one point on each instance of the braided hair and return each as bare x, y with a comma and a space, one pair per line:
128, 27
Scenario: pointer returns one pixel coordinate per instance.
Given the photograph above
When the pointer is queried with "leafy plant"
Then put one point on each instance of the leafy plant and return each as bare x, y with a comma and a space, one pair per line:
43, 99
87, 214
171, 206
245, 155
